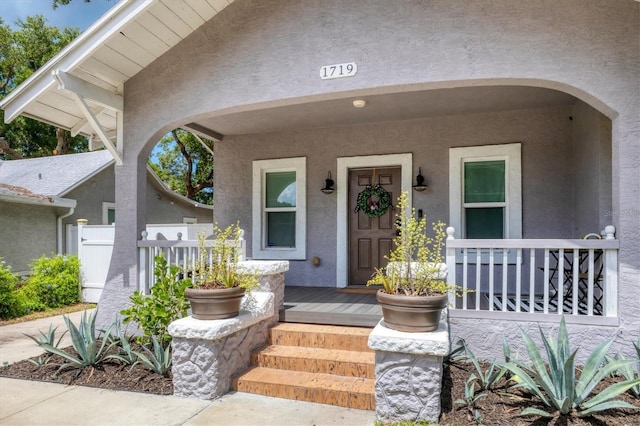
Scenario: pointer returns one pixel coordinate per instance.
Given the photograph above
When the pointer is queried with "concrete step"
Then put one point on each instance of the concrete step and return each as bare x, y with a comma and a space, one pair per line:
316, 360
352, 392
321, 336
317, 363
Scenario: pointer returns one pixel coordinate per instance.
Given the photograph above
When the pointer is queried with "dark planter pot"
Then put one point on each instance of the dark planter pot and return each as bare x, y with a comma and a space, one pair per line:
412, 314
212, 304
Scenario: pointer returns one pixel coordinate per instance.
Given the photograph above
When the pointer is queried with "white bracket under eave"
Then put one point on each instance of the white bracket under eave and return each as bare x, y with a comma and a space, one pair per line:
82, 90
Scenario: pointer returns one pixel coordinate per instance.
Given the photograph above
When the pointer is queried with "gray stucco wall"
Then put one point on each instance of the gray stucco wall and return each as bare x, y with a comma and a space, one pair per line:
545, 134
18, 248
591, 170
259, 54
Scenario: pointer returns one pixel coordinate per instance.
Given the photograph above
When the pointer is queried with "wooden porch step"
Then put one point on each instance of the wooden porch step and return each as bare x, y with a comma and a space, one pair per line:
316, 363
351, 392
321, 336
316, 360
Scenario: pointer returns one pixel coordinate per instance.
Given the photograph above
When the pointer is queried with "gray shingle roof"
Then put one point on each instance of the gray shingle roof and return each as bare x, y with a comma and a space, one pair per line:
53, 176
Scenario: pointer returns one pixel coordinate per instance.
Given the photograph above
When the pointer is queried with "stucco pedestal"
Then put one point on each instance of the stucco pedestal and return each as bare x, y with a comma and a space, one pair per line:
409, 372
206, 354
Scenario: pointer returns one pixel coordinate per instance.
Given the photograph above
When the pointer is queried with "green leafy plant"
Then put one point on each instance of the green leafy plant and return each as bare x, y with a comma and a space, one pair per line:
486, 379
166, 303
556, 384
10, 306
48, 338
55, 280
627, 371
471, 398
217, 263
90, 351
157, 360
415, 265
118, 339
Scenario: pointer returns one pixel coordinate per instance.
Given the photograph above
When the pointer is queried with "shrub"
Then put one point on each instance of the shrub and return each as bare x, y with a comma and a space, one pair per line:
55, 281
10, 305
556, 384
166, 303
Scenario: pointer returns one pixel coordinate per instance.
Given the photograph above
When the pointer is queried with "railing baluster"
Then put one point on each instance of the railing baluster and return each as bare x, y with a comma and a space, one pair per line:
546, 281
491, 279
518, 278
590, 284
576, 280
465, 264
478, 270
561, 275
532, 279
504, 280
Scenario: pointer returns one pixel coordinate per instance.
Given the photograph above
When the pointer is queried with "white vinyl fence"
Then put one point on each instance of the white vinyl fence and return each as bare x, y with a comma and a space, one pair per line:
95, 245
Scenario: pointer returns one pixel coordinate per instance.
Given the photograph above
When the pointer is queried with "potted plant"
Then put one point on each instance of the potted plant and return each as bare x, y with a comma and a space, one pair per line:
219, 282
414, 288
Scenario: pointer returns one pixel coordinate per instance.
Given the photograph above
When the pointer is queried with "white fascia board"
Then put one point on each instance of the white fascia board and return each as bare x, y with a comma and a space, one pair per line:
88, 90
49, 201
73, 54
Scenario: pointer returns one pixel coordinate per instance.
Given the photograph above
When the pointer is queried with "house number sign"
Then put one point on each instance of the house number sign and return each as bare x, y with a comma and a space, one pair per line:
348, 69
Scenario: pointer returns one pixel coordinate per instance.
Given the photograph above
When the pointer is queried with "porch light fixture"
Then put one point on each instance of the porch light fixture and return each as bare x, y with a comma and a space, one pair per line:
328, 184
359, 103
420, 185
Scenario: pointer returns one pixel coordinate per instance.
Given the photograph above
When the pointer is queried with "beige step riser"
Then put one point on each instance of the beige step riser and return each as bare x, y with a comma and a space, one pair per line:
361, 401
349, 369
320, 340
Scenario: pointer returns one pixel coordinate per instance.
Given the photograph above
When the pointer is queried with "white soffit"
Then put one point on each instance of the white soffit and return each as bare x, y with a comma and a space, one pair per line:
121, 43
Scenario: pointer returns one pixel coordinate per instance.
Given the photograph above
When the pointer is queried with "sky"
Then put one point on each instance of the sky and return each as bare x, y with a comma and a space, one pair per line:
75, 14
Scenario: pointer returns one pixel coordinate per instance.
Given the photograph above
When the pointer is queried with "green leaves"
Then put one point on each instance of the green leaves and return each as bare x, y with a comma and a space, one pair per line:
555, 382
89, 352
166, 303
158, 359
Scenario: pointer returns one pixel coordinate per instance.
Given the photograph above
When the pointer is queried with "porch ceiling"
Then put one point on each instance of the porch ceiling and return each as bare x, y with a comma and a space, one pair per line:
386, 107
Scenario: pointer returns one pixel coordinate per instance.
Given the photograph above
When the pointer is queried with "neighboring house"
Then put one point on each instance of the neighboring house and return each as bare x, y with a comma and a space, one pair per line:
536, 104
41, 200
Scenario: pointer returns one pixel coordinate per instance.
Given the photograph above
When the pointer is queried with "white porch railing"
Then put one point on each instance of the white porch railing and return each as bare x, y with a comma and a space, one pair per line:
176, 252
536, 276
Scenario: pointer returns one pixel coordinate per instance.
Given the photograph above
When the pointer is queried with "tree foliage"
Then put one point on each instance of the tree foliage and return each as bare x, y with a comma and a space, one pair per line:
182, 161
22, 52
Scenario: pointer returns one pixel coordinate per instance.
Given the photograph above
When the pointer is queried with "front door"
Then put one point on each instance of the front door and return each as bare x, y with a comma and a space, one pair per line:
370, 238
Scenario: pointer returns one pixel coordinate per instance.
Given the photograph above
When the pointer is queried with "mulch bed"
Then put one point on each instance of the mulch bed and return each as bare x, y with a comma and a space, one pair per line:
499, 407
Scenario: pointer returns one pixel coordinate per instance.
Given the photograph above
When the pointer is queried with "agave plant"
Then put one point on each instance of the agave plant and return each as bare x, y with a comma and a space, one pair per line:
48, 338
486, 379
555, 383
90, 351
627, 371
119, 339
158, 360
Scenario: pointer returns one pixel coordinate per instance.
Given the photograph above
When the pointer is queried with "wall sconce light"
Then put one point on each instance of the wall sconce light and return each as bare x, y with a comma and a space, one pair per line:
420, 185
328, 184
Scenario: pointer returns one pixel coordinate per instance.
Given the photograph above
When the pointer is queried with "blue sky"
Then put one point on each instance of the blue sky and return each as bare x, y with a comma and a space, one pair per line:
75, 14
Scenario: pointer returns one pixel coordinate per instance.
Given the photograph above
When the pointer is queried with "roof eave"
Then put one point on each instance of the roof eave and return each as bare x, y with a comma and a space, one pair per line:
77, 51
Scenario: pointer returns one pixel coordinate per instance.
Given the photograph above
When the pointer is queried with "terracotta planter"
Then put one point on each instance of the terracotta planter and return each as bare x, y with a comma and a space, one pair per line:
212, 304
411, 313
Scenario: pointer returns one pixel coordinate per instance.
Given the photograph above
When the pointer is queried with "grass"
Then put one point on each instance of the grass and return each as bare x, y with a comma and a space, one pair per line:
49, 313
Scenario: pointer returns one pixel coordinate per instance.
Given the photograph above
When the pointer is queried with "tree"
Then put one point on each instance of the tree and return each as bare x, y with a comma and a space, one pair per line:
183, 162
22, 52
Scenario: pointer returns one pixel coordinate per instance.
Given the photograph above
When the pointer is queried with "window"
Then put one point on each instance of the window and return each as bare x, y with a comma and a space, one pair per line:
108, 213
485, 191
279, 209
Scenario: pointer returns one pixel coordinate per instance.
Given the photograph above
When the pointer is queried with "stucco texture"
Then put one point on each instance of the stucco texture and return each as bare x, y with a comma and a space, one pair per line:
256, 55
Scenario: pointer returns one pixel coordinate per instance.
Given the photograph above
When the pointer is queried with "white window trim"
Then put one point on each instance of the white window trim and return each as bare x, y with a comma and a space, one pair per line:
106, 206
511, 153
260, 168
404, 161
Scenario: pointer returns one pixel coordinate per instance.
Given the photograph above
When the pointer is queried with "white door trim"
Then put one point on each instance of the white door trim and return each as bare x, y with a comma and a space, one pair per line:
404, 161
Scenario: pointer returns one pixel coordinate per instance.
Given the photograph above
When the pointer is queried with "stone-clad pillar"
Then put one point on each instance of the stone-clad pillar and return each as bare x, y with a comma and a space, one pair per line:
409, 372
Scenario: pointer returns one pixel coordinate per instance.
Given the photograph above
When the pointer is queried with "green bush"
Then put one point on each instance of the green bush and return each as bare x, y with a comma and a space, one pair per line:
166, 303
10, 306
54, 281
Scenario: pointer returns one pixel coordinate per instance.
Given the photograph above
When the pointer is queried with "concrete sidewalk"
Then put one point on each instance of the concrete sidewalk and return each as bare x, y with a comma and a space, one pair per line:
24, 402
